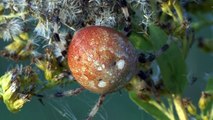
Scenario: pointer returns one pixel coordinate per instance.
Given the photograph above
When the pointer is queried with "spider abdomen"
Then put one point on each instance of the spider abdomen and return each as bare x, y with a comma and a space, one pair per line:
101, 59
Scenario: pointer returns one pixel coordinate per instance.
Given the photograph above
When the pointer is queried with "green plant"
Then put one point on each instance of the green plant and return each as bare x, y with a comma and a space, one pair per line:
38, 33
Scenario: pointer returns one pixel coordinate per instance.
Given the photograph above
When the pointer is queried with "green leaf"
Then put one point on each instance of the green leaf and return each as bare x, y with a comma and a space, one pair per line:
203, 6
209, 86
148, 107
140, 42
171, 63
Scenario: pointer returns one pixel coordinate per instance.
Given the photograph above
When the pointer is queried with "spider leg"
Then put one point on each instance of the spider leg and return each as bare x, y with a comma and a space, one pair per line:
145, 74
68, 93
124, 8
59, 45
62, 94
96, 107
151, 57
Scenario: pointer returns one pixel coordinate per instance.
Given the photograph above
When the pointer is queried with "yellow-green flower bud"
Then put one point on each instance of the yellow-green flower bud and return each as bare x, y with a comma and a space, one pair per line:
8, 94
202, 103
191, 109
5, 81
205, 118
18, 104
48, 74
16, 87
204, 100
16, 46
40, 64
24, 36
166, 8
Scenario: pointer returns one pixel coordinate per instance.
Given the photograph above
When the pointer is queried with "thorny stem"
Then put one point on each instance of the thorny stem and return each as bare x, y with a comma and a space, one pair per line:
179, 107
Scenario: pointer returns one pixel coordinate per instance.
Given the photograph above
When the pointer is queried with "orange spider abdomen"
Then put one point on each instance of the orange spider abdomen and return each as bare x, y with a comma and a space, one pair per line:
101, 59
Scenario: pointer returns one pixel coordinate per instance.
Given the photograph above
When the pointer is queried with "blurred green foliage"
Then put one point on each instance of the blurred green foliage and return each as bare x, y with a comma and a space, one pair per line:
180, 24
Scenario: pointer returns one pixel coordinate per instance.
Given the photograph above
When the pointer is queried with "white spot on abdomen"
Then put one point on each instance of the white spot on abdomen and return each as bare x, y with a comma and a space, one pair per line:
101, 67
120, 64
101, 84
92, 84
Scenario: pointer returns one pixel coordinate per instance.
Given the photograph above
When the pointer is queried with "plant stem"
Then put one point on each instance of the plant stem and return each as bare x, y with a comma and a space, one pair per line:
185, 48
13, 15
179, 107
178, 9
163, 109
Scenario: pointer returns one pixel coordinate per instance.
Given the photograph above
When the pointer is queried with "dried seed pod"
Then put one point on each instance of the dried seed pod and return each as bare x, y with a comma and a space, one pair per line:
101, 59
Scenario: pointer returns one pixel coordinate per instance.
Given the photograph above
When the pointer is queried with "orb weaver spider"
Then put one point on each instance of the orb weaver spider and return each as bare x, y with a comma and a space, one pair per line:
102, 60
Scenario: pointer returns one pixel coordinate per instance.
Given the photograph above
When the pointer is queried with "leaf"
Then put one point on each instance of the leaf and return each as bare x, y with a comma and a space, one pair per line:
171, 63
147, 107
209, 86
140, 42
201, 7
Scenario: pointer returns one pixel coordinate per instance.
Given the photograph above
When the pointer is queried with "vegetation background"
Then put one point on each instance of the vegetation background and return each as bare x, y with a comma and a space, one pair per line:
118, 106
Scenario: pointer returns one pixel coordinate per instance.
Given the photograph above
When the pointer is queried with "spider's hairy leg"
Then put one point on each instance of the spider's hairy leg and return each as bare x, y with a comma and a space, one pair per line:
145, 74
62, 94
124, 8
152, 56
68, 93
96, 107
61, 46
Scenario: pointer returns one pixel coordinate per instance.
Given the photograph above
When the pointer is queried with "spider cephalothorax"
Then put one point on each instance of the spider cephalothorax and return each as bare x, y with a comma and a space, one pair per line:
101, 59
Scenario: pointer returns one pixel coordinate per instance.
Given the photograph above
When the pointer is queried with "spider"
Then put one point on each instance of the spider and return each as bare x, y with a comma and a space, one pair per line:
102, 60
